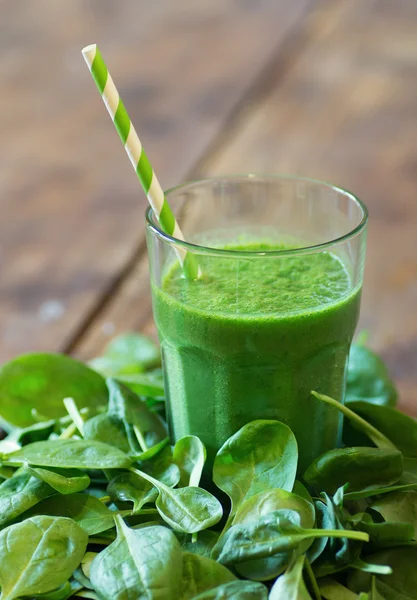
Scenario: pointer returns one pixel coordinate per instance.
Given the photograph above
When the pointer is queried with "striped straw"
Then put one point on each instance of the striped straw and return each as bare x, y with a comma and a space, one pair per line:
137, 156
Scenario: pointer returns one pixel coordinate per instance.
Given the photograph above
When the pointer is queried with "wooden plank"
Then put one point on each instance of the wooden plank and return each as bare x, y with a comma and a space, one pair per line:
72, 207
345, 113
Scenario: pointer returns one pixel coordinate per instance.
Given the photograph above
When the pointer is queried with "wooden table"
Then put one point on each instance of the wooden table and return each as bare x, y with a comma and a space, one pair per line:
324, 88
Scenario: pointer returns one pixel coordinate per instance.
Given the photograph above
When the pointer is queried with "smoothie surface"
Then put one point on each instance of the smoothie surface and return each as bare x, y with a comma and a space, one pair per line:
263, 285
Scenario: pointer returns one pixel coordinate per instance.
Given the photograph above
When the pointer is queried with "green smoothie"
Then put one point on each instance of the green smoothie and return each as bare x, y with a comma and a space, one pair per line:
251, 339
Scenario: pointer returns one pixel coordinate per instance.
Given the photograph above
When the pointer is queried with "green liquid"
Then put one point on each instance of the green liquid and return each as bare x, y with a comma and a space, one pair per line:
251, 339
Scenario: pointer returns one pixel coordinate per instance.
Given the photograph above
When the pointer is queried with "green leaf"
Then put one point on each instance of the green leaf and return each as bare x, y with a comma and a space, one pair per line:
325, 519
189, 455
399, 428
400, 585
189, 509
398, 507
200, 574
291, 584
128, 353
62, 593
18, 494
87, 511
44, 380
236, 590
377, 490
144, 384
268, 536
296, 509
262, 455
331, 589
262, 504
382, 535
109, 430
39, 555
144, 428
152, 451
368, 378
128, 487
68, 481
377, 437
70, 454
144, 564
203, 545
359, 467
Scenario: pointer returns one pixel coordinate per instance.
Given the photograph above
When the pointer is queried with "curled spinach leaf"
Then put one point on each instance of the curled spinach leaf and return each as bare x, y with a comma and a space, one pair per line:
201, 574
291, 584
359, 467
19, 493
190, 455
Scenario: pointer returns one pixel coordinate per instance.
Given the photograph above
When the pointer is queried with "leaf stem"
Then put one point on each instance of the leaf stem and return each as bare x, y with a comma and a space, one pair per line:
68, 432
312, 579
74, 413
140, 438
378, 438
337, 533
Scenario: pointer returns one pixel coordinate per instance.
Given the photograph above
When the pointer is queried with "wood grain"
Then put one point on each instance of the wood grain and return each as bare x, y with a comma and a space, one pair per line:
344, 112
72, 207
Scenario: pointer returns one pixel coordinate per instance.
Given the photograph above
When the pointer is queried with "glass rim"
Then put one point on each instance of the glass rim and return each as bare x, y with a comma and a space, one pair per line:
154, 226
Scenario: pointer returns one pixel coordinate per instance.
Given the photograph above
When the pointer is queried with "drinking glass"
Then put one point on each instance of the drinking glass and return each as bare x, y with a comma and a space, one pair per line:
272, 316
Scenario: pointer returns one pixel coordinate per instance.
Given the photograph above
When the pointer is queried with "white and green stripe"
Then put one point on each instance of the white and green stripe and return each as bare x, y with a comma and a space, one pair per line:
137, 156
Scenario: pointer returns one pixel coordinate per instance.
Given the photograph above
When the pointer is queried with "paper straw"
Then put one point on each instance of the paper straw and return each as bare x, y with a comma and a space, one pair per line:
137, 156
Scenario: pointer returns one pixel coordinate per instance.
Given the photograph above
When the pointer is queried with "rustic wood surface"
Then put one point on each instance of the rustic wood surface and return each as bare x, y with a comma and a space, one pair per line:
323, 88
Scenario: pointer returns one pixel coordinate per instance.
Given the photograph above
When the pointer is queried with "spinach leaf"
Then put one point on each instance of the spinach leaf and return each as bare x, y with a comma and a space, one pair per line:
262, 455
201, 574
39, 555
144, 428
163, 467
376, 490
145, 384
338, 554
62, 593
109, 430
87, 511
236, 590
325, 519
19, 493
189, 509
128, 487
190, 455
291, 584
43, 380
368, 378
152, 451
398, 507
134, 349
302, 491
65, 481
377, 437
34, 433
360, 467
70, 454
331, 589
401, 584
268, 536
383, 535
144, 564
264, 503
296, 509
395, 425
203, 545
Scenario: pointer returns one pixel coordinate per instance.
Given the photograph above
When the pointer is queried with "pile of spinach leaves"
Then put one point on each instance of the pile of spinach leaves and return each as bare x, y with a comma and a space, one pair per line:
96, 503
